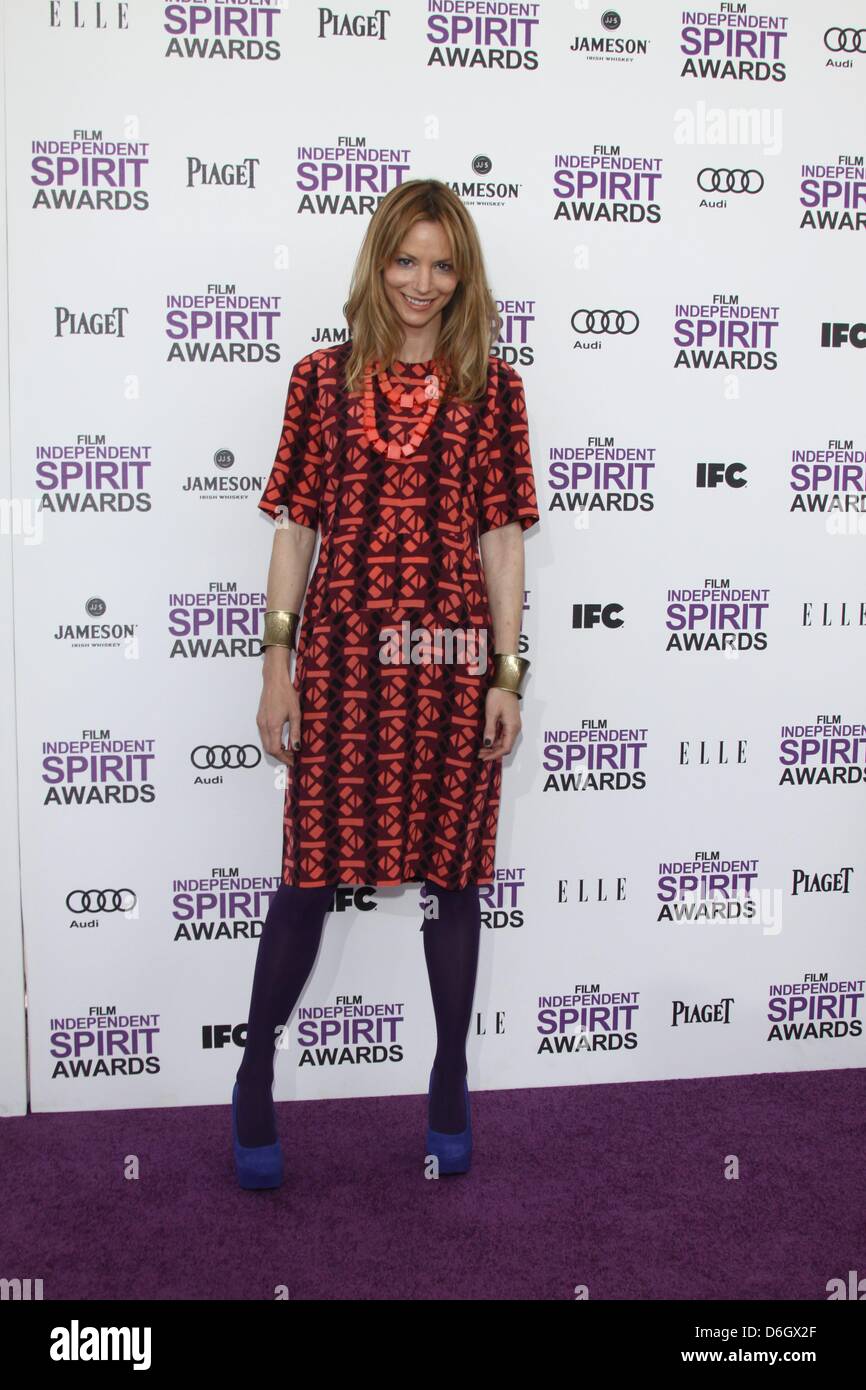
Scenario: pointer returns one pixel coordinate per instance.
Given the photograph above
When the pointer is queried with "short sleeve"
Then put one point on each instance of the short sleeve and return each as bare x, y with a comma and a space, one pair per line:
507, 483
295, 481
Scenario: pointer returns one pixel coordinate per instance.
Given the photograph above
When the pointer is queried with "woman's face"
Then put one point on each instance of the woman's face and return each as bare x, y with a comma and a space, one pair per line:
420, 278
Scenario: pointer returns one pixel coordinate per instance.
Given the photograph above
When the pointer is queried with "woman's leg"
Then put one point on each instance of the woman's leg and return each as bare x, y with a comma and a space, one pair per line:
287, 949
451, 951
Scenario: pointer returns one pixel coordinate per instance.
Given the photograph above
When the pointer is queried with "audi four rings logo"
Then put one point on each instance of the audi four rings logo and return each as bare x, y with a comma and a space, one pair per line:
605, 321
101, 900
845, 40
226, 755
731, 180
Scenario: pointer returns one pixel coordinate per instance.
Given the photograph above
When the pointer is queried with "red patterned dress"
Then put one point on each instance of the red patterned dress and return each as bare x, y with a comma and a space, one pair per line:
387, 787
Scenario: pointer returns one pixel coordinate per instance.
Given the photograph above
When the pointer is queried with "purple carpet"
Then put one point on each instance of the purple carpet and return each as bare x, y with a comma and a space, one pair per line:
617, 1187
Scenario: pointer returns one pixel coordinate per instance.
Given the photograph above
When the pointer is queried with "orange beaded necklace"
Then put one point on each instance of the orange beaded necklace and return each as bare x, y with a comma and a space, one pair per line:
403, 393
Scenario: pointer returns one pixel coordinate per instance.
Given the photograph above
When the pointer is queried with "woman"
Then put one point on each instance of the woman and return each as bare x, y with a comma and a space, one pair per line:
404, 444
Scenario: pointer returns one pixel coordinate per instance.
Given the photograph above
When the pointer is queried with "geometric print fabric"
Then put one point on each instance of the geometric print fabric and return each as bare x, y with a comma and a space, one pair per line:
387, 787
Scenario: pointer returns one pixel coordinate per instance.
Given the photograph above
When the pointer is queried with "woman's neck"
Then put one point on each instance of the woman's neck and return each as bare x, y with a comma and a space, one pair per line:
419, 346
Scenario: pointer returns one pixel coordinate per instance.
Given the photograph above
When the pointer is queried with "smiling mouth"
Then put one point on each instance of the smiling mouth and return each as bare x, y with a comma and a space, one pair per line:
416, 303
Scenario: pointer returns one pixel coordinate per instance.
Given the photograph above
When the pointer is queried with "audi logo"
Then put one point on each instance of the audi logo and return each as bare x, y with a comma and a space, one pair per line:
845, 40
101, 900
226, 755
605, 321
730, 180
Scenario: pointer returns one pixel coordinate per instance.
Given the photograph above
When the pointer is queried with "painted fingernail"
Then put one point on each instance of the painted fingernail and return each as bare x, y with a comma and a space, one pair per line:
486, 742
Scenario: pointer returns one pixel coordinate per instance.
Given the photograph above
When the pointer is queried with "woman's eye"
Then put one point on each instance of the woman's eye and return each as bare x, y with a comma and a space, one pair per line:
443, 265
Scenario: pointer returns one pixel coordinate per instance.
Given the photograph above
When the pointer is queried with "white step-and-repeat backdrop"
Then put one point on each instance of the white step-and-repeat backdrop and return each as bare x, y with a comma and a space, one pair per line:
672, 204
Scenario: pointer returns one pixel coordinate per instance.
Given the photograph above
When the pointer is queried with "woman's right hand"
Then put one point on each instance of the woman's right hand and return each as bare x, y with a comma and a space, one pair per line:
279, 705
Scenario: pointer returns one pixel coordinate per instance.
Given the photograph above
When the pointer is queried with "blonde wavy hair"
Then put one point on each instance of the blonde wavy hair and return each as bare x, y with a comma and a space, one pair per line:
471, 323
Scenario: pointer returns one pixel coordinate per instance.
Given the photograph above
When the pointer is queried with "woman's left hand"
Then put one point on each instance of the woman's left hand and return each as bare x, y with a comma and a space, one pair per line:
501, 723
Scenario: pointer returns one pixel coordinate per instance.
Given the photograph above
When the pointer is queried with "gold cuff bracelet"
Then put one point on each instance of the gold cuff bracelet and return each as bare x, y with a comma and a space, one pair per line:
280, 628
508, 672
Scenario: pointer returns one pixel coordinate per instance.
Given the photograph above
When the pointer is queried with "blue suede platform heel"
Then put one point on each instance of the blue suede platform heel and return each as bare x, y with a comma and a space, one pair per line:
454, 1151
257, 1166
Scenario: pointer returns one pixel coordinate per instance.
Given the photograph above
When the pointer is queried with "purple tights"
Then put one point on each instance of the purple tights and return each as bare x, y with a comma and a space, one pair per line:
451, 952
287, 951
